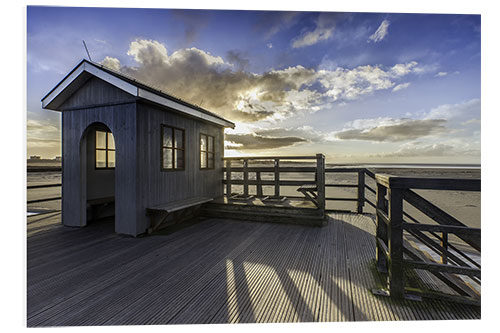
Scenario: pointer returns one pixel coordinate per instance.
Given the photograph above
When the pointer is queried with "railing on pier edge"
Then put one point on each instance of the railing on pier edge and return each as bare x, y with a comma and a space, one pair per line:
394, 253
319, 171
32, 187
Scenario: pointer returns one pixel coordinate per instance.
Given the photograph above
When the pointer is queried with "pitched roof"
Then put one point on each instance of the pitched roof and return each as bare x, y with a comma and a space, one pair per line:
86, 69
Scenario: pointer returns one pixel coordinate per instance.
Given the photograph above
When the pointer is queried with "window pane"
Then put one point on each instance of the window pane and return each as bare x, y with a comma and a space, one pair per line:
179, 139
210, 160
111, 141
203, 159
167, 158
100, 139
111, 158
211, 144
203, 143
100, 158
167, 137
179, 159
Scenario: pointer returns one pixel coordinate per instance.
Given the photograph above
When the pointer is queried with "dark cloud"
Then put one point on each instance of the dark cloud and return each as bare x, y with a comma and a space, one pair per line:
254, 141
236, 58
406, 130
193, 20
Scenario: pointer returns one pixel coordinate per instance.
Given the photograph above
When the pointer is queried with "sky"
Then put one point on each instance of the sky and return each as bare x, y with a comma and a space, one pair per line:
357, 87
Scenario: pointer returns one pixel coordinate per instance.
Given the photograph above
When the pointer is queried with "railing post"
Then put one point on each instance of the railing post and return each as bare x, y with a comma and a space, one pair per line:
277, 177
444, 245
361, 191
395, 235
381, 228
228, 178
259, 185
320, 180
245, 178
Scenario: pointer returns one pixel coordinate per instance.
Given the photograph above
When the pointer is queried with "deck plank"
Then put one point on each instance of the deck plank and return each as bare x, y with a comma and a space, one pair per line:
216, 271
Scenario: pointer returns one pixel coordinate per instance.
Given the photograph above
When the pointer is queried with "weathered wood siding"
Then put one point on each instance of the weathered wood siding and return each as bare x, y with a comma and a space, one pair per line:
155, 186
96, 92
92, 104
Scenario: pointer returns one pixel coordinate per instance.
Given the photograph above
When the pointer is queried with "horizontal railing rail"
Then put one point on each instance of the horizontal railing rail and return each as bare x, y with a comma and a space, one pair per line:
31, 187
395, 255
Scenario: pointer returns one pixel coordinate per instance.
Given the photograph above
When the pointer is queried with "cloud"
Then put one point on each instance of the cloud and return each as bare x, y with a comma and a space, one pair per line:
394, 130
424, 69
471, 122
111, 63
403, 69
381, 32
312, 37
236, 57
270, 23
193, 22
270, 45
349, 84
417, 149
401, 86
255, 141
440, 74
460, 110
226, 87
325, 24
43, 135
148, 52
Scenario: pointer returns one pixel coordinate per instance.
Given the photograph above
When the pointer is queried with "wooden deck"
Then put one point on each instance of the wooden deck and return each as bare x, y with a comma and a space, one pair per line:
215, 271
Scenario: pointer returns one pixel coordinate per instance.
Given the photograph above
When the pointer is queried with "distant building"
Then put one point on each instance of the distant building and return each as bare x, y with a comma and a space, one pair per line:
35, 157
126, 143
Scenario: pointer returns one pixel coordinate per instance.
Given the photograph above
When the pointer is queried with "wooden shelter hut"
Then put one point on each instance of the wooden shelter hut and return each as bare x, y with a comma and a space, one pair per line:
133, 151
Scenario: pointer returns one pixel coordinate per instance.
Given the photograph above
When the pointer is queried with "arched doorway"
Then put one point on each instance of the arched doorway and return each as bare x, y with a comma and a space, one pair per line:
97, 166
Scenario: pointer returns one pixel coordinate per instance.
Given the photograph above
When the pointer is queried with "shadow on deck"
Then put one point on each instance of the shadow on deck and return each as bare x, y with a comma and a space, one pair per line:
215, 271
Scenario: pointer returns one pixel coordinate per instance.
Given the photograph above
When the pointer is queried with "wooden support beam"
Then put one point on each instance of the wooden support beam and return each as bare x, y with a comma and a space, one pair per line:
259, 184
361, 191
450, 184
228, 178
245, 177
395, 237
440, 268
320, 181
381, 232
444, 245
277, 177
42, 200
29, 187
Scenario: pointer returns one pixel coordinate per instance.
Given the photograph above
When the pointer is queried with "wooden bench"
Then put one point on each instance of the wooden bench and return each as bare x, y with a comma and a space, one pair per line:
160, 213
100, 201
101, 207
310, 191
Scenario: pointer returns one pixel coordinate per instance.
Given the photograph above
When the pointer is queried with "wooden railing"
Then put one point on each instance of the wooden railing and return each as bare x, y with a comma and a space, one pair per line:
276, 169
30, 187
361, 187
395, 255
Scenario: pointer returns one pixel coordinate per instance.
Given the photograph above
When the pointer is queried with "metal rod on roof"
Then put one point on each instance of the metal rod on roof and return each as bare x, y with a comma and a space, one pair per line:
86, 49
